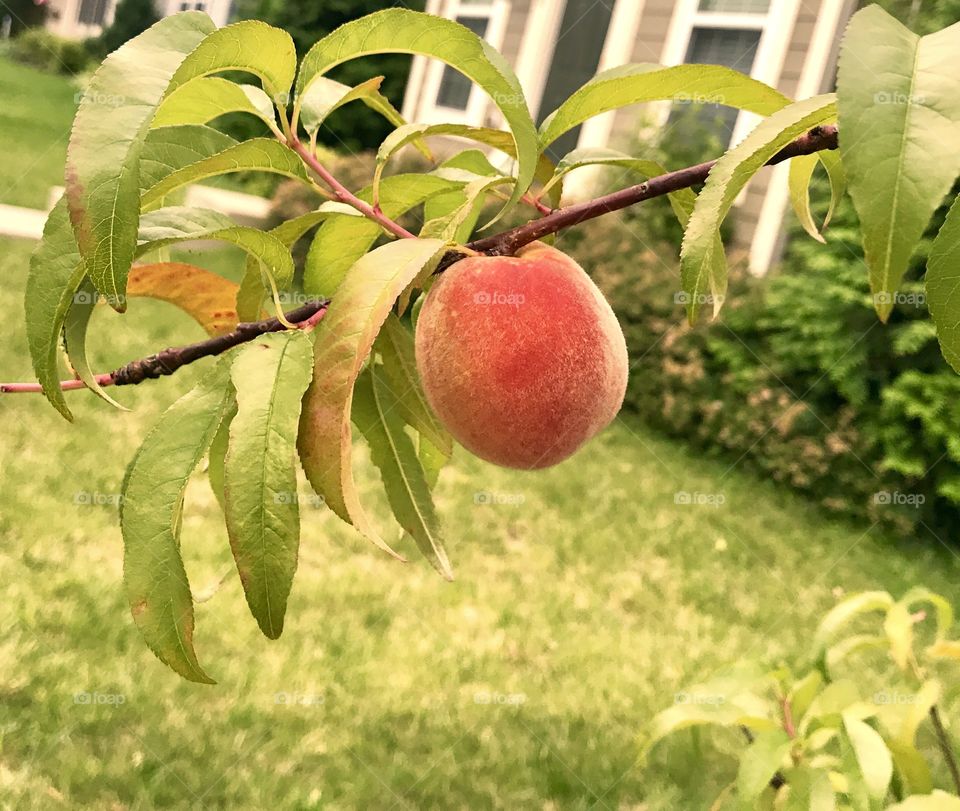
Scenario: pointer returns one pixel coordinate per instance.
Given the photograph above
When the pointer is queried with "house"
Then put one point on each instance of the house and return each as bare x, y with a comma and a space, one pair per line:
557, 45
79, 19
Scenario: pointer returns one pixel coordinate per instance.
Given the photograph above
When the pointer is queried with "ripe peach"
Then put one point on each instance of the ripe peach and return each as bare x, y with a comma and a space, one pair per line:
521, 357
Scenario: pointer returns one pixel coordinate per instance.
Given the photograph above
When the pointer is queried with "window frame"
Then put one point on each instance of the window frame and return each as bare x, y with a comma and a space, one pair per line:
430, 72
776, 31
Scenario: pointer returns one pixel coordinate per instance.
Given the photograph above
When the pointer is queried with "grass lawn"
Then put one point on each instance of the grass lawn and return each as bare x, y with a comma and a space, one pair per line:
35, 114
580, 608
585, 599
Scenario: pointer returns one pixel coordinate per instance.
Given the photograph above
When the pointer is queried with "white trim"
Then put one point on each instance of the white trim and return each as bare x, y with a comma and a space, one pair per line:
769, 228
617, 50
536, 49
413, 94
429, 112
776, 29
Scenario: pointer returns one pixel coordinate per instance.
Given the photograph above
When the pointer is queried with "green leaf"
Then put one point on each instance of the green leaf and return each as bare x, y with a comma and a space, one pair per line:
167, 226
270, 376
873, 757
900, 121
637, 83
156, 581
911, 766
703, 271
251, 46
944, 610
403, 31
803, 692
685, 715
943, 290
252, 288
760, 762
830, 158
326, 96
75, 339
937, 801
412, 133
432, 460
853, 644
343, 341
209, 97
255, 155
463, 217
218, 453
168, 149
833, 700
809, 790
847, 610
801, 171
395, 345
102, 174
376, 414
56, 272
342, 241
898, 626
918, 710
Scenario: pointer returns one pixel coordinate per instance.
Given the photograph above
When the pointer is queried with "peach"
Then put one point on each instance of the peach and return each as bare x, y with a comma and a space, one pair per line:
521, 357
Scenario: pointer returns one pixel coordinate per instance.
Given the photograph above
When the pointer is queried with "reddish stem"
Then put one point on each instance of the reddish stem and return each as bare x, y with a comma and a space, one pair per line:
344, 195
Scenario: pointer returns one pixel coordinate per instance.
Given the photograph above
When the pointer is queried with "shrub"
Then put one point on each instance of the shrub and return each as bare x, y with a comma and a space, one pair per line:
797, 379
43, 49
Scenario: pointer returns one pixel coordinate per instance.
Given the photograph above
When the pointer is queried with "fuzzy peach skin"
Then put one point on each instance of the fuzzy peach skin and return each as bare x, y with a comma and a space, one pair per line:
521, 357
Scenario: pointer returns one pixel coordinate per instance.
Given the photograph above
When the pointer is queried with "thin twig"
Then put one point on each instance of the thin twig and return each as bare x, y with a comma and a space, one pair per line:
170, 360
343, 194
943, 739
509, 242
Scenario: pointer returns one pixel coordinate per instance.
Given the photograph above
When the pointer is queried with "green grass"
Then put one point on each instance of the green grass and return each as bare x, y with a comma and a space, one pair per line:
581, 607
35, 117
584, 607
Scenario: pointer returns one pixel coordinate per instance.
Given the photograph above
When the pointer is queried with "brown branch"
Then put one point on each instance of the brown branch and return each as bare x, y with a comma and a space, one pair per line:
509, 242
170, 360
504, 244
943, 739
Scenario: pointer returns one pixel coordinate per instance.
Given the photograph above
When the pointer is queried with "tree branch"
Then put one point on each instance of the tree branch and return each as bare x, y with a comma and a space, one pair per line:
170, 360
509, 242
343, 194
504, 244
943, 739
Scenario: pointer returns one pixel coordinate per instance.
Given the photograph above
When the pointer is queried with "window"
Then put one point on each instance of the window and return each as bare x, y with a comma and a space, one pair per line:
747, 35
455, 88
437, 92
92, 12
